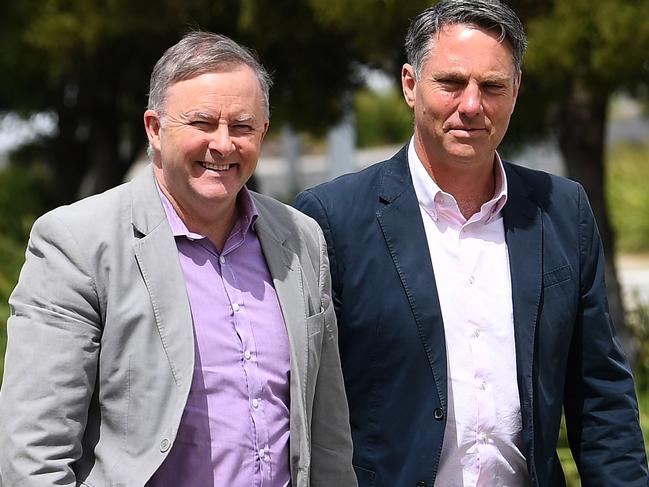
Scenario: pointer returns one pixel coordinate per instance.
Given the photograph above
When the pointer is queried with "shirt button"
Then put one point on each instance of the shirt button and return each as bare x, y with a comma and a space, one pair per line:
164, 445
483, 385
222, 260
482, 437
262, 453
471, 280
247, 354
255, 404
476, 333
235, 307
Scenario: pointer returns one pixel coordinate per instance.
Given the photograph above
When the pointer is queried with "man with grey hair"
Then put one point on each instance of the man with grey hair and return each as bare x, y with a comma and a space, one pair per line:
470, 292
178, 330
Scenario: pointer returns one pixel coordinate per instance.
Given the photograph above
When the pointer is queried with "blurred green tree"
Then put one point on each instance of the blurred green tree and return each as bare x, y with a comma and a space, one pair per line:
88, 63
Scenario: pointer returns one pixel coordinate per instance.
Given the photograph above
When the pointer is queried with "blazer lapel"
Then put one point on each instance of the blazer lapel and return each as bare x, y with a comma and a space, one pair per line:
524, 236
286, 272
403, 229
157, 257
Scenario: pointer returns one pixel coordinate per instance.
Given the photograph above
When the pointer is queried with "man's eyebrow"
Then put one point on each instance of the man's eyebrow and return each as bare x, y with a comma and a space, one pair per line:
199, 115
243, 118
448, 75
457, 76
495, 78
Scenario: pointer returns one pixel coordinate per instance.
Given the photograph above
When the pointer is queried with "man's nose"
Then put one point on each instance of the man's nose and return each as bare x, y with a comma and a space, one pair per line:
220, 141
471, 101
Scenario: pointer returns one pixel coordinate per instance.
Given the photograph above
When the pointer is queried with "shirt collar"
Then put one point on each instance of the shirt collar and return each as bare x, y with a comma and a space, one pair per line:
247, 215
434, 201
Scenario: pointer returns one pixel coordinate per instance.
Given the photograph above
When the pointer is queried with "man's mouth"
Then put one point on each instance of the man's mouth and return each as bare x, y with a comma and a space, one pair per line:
466, 131
214, 167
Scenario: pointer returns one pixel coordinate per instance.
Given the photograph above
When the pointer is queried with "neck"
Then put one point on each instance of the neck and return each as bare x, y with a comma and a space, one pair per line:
471, 183
218, 229
216, 226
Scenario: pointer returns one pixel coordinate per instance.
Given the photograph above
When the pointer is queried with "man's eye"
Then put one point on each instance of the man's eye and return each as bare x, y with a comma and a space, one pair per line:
451, 84
241, 128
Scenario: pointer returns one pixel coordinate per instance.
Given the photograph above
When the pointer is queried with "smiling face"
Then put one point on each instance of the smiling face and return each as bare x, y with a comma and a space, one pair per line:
464, 96
207, 142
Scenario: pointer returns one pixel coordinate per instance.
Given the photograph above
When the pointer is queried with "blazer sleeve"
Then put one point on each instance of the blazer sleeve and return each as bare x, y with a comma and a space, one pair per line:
51, 360
600, 403
331, 445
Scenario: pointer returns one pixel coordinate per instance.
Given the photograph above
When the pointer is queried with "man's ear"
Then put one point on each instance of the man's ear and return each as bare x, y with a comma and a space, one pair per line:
152, 125
265, 129
409, 84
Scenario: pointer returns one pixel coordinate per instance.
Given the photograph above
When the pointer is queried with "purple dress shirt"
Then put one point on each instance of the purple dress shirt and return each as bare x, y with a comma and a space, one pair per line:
235, 428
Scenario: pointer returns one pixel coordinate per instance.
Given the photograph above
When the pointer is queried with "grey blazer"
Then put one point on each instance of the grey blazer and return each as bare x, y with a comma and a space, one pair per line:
100, 349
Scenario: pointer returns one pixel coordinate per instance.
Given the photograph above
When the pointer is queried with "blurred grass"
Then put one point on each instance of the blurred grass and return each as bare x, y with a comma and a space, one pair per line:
627, 195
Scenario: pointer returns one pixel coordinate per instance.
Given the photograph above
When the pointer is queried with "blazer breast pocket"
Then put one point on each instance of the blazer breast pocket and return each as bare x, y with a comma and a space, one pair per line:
315, 328
319, 328
558, 310
557, 276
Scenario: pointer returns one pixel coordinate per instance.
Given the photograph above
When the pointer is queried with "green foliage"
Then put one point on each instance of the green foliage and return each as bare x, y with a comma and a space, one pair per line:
11, 258
21, 201
382, 118
89, 63
627, 196
313, 62
376, 28
600, 45
638, 319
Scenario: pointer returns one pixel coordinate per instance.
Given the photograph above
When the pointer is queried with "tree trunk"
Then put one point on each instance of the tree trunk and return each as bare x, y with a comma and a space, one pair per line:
104, 168
582, 141
67, 155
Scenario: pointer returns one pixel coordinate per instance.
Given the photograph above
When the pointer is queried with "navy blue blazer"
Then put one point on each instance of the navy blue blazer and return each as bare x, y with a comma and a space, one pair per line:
392, 337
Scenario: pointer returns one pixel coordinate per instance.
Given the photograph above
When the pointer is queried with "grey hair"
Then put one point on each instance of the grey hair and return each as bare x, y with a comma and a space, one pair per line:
491, 15
198, 53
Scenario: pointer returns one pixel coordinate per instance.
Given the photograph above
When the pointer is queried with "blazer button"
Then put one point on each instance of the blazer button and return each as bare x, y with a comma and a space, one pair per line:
164, 445
438, 414
421, 483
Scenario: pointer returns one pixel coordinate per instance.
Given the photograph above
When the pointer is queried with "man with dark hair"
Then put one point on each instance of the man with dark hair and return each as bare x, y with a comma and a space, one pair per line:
469, 291
178, 330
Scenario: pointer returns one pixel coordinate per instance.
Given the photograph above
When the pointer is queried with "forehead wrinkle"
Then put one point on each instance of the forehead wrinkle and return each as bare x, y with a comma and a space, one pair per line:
462, 74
